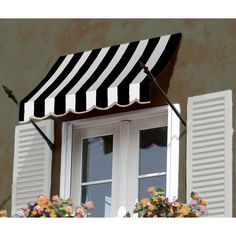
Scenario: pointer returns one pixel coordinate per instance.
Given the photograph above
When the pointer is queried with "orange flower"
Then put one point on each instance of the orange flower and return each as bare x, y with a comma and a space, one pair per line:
151, 190
171, 211
196, 196
203, 202
155, 199
144, 201
34, 212
89, 205
43, 198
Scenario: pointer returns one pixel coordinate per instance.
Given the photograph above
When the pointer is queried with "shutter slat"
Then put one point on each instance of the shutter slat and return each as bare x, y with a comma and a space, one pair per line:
213, 120
32, 182
208, 138
32, 195
216, 159
209, 150
32, 163
208, 183
203, 179
209, 171
211, 108
22, 189
207, 166
204, 155
219, 141
210, 127
208, 115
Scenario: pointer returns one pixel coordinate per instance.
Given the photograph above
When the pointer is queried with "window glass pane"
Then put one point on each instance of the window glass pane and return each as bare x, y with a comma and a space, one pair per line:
145, 183
100, 195
97, 158
152, 150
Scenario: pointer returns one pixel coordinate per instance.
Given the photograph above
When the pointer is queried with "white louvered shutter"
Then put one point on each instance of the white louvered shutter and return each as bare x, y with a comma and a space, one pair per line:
32, 163
209, 150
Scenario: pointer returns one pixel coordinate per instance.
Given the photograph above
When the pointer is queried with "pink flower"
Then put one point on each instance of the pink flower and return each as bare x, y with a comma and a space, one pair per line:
174, 198
194, 203
43, 198
24, 208
68, 209
38, 208
21, 213
203, 210
80, 212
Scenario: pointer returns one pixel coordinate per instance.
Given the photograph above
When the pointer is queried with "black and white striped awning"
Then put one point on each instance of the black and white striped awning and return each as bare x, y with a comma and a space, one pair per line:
99, 78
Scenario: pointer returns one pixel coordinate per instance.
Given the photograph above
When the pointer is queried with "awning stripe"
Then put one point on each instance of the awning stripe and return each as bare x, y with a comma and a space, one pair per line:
91, 92
50, 100
40, 101
118, 92
60, 99
99, 78
124, 87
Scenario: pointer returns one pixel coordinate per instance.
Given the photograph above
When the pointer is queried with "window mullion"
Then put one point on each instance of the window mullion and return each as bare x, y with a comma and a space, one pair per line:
124, 142
96, 182
151, 175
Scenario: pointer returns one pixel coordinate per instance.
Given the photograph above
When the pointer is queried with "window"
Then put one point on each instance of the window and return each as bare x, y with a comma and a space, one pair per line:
152, 159
112, 160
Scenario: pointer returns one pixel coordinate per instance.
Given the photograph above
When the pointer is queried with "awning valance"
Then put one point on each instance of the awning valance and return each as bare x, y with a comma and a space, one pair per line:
99, 78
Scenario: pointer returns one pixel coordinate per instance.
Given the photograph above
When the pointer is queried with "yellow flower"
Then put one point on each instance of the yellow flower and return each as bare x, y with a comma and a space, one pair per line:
184, 210
151, 208
53, 214
151, 190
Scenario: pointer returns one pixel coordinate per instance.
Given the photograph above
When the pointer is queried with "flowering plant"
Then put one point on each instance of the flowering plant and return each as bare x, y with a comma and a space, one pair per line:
3, 213
56, 207
156, 205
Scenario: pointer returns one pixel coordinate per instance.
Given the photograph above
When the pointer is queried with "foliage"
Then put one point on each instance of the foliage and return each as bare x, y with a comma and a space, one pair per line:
56, 207
157, 205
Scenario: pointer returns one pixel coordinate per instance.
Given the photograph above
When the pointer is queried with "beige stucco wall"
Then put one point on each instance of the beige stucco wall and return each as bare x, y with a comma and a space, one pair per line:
28, 48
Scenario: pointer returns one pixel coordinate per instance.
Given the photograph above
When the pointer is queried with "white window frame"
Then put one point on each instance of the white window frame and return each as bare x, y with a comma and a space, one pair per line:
165, 113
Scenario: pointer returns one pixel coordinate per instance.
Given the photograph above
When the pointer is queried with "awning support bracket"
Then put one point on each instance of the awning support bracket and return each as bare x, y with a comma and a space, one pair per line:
151, 76
47, 140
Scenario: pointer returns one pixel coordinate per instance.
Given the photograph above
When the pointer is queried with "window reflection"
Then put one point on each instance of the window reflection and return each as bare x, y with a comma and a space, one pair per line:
152, 159
100, 194
97, 166
153, 150
145, 183
97, 158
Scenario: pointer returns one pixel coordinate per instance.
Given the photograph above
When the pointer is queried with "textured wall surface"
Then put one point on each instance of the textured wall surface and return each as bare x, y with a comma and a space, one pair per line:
28, 48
